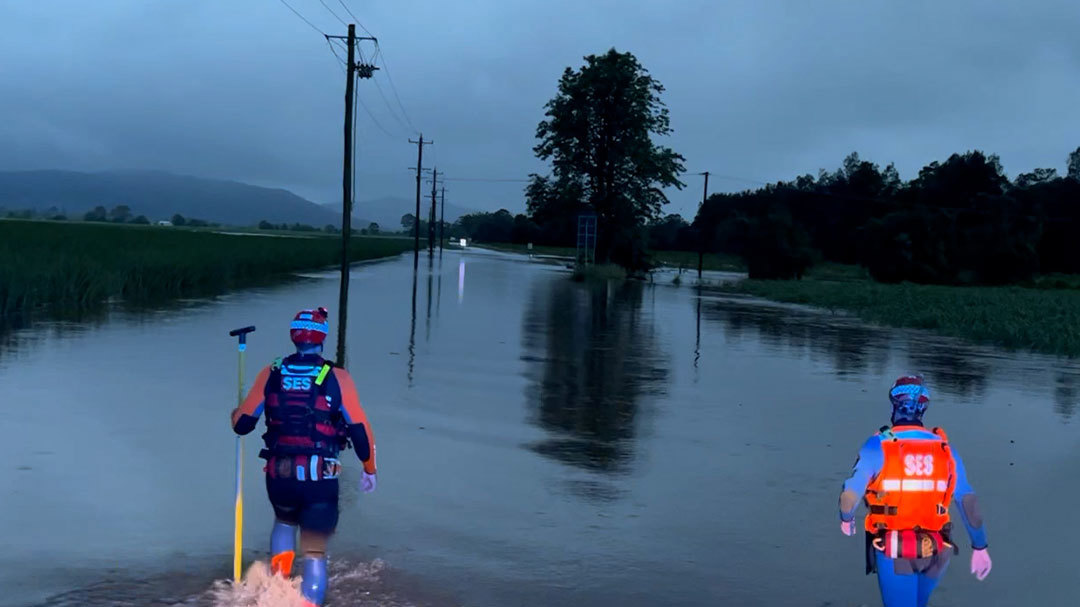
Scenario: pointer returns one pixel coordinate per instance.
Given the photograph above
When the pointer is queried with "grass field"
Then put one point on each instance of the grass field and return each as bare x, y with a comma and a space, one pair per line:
76, 266
1038, 319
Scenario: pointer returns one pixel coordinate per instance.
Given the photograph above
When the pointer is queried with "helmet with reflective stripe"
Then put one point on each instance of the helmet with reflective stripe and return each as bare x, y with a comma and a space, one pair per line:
909, 397
309, 327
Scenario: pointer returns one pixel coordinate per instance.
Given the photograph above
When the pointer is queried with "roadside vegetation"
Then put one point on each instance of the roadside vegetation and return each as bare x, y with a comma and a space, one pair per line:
71, 267
1043, 316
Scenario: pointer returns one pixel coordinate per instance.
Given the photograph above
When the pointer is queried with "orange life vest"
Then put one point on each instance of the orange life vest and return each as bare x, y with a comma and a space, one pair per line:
915, 485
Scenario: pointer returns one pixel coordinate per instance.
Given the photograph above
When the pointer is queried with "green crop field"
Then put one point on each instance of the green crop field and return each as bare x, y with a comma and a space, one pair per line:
76, 266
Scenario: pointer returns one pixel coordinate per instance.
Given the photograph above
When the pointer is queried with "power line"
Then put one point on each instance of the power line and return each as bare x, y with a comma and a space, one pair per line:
743, 179
340, 44
393, 88
372, 116
297, 13
346, 7
355, 18
388, 106
334, 50
333, 13
487, 179
435, 158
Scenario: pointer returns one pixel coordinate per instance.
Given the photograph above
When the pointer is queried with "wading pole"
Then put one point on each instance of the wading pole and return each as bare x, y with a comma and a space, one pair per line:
238, 531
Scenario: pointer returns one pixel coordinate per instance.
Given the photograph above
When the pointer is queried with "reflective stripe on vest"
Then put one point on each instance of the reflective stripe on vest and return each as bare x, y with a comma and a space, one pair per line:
910, 484
322, 375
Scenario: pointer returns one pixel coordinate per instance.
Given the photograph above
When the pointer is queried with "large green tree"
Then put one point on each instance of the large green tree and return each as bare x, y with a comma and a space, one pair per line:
598, 136
1074, 165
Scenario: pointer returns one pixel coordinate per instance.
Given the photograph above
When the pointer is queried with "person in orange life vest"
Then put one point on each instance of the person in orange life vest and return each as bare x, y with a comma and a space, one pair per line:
907, 476
312, 412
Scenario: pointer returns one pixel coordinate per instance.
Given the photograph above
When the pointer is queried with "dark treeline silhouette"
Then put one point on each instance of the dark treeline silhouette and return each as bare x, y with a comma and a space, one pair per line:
500, 226
958, 222
297, 227
670, 233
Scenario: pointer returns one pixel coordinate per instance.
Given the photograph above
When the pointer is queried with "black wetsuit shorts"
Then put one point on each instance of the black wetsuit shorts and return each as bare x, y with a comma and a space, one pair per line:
313, 505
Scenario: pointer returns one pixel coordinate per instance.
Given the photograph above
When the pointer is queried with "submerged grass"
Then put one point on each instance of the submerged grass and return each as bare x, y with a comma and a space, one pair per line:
607, 271
674, 259
77, 266
710, 261
1041, 320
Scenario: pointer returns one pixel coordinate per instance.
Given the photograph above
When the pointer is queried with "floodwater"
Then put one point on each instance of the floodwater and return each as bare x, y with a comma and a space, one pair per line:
540, 441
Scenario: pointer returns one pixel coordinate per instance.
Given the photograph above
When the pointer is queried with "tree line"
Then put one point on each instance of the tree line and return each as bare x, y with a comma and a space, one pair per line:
669, 233
118, 214
961, 221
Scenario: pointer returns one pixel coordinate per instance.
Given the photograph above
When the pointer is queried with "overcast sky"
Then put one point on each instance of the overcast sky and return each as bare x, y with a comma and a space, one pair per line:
758, 90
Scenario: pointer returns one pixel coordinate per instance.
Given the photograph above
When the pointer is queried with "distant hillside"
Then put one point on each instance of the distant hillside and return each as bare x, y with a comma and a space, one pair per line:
387, 211
159, 195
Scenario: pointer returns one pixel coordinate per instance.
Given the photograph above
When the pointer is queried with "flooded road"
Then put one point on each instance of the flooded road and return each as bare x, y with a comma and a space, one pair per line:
540, 441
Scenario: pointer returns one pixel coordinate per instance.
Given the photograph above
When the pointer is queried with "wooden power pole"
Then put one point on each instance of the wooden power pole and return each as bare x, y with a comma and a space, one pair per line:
363, 71
416, 223
442, 221
431, 215
701, 237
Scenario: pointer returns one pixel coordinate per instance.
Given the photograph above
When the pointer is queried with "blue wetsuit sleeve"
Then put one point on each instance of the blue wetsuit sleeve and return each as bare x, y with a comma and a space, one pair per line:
972, 520
867, 466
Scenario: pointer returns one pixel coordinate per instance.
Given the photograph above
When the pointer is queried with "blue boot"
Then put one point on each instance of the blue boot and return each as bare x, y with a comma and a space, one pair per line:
313, 587
282, 548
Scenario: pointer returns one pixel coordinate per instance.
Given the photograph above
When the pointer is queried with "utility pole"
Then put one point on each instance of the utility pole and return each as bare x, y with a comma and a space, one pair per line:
416, 224
442, 221
354, 71
431, 216
346, 201
701, 239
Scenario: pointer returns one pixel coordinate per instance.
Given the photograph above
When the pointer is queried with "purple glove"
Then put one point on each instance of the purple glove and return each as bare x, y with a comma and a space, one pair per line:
367, 482
980, 564
847, 527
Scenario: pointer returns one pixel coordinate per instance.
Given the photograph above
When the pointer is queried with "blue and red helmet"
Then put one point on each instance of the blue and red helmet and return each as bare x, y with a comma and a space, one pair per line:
909, 397
309, 327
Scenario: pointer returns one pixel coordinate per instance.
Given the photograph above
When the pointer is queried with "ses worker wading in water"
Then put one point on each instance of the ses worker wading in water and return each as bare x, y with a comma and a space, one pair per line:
907, 475
312, 412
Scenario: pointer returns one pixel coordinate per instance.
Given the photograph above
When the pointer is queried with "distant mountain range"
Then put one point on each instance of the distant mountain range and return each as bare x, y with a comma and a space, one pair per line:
159, 195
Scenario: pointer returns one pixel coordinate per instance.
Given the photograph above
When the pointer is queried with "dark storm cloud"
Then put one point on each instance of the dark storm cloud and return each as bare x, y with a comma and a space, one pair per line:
757, 90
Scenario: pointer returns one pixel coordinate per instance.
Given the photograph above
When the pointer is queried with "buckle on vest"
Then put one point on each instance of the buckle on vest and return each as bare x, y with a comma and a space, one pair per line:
911, 543
331, 468
305, 468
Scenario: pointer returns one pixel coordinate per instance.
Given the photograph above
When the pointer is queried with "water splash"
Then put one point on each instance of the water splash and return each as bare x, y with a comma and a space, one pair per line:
351, 584
258, 588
